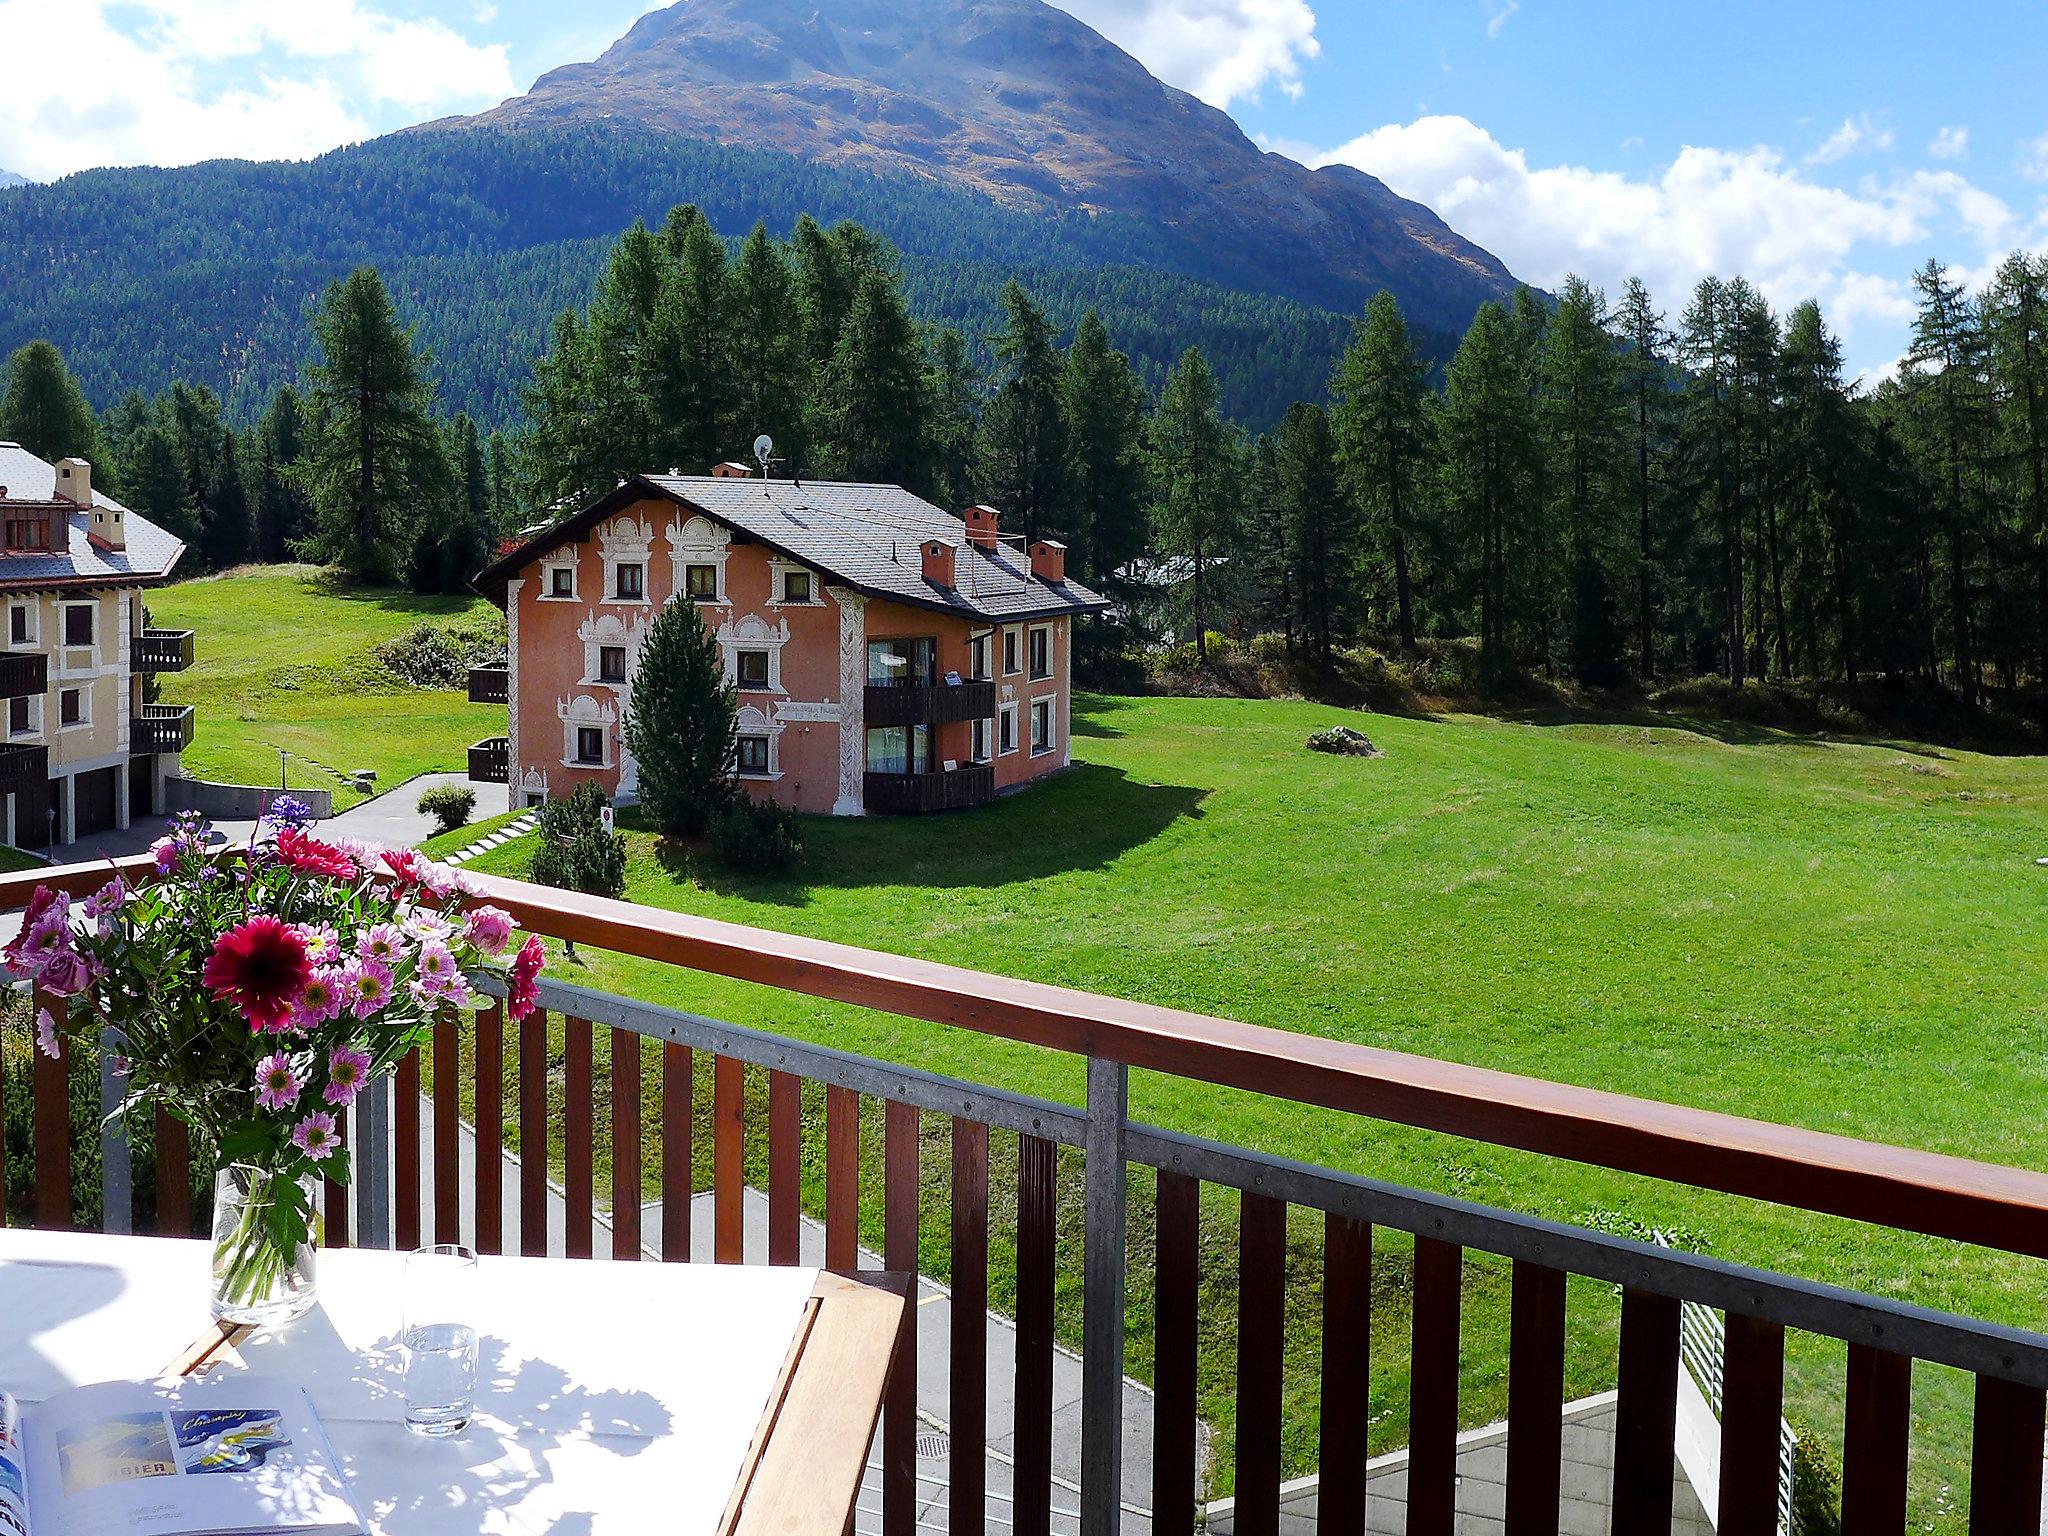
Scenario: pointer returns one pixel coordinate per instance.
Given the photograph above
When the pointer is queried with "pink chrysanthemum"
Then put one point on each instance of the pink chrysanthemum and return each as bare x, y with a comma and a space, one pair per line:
382, 943
323, 944
315, 1136
347, 1071
321, 1000
47, 1040
366, 985
277, 1083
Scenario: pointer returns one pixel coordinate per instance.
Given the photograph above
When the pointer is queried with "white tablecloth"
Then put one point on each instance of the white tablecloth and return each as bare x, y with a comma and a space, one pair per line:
612, 1398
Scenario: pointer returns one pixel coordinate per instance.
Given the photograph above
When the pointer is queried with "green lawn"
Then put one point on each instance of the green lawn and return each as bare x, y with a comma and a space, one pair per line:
283, 660
1824, 933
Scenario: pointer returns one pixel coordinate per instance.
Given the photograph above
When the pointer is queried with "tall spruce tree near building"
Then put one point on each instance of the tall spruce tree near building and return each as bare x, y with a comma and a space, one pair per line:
43, 409
280, 508
872, 415
373, 451
683, 726
1022, 457
1645, 365
952, 392
156, 485
697, 316
1104, 504
197, 430
1320, 529
1581, 423
766, 348
1198, 478
1379, 415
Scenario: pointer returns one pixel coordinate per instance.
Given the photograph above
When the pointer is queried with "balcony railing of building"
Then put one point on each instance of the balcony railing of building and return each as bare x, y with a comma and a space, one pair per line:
163, 650
24, 768
943, 789
490, 760
929, 703
23, 674
161, 729
412, 1189
491, 684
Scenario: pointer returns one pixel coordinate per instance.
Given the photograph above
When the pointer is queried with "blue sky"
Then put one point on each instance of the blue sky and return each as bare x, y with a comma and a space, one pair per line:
1820, 147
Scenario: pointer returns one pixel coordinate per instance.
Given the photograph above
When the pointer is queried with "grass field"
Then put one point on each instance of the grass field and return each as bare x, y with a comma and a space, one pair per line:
284, 660
1833, 934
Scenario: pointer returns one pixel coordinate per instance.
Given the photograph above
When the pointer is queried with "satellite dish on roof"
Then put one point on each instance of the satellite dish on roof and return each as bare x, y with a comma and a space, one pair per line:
764, 451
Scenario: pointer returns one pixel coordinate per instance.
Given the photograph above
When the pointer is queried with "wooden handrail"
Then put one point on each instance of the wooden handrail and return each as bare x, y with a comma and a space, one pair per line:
1982, 1203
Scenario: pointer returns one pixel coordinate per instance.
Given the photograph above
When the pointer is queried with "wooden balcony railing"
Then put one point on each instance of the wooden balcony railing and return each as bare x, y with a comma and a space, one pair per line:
490, 685
954, 789
928, 703
409, 1188
490, 760
160, 729
23, 674
163, 650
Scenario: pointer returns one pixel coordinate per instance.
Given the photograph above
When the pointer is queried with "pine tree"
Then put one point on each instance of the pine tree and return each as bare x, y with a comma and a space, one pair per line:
198, 433
1104, 407
700, 349
2016, 323
1199, 475
281, 510
1319, 526
1708, 443
225, 528
682, 728
1818, 484
373, 451
824, 292
43, 409
1582, 422
1022, 456
156, 485
952, 392
1646, 388
766, 352
872, 414
1379, 416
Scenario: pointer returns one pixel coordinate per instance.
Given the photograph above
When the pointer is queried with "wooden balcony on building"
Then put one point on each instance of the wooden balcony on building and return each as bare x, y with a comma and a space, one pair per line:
163, 650
490, 760
929, 703
895, 794
161, 730
23, 674
24, 768
491, 684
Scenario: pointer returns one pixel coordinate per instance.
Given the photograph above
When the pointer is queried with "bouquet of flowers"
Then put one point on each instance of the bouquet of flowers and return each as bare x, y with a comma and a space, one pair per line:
252, 992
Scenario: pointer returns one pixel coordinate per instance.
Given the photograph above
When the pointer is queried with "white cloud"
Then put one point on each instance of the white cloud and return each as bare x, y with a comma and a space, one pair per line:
1950, 144
1499, 13
2033, 159
1857, 135
168, 82
1219, 50
1707, 211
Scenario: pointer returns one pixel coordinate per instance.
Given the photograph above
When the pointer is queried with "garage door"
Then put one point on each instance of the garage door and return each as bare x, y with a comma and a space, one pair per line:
94, 806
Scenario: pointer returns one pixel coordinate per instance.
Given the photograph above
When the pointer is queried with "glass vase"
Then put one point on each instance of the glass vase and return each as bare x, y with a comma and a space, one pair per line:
256, 1279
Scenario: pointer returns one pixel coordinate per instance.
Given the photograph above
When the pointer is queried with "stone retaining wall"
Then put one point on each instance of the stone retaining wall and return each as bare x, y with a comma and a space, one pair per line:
239, 802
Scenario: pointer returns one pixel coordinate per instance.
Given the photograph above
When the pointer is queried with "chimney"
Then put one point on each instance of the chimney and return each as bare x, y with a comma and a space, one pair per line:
732, 469
74, 481
938, 562
981, 525
1049, 561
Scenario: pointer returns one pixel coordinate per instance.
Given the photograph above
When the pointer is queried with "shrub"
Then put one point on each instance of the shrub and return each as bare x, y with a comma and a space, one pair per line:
756, 836
440, 656
572, 850
683, 726
1816, 1487
449, 804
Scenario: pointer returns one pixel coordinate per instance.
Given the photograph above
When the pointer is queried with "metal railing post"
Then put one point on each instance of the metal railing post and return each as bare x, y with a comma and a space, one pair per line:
372, 1159
1102, 1300
117, 1177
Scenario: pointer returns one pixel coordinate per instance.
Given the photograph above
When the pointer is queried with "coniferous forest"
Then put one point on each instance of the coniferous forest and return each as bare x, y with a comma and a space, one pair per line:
1611, 489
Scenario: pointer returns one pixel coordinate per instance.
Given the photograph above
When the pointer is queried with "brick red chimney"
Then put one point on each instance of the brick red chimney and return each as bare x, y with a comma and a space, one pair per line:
981, 525
938, 562
732, 469
1049, 560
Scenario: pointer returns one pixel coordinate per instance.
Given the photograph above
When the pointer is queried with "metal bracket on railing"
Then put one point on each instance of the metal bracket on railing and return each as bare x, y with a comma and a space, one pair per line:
1102, 1301
371, 1139
117, 1174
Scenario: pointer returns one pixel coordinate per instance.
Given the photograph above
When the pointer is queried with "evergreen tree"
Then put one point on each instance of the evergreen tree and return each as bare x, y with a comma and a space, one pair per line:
198, 433
2016, 322
373, 452
225, 529
682, 728
281, 510
1820, 474
873, 392
466, 545
1582, 423
1104, 407
1709, 446
1199, 475
505, 515
767, 342
700, 352
1646, 387
1381, 423
824, 292
952, 392
43, 409
1320, 529
156, 485
1487, 427
1022, 457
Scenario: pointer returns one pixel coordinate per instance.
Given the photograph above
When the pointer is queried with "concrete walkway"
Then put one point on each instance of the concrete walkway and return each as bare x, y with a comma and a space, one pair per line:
934, 1347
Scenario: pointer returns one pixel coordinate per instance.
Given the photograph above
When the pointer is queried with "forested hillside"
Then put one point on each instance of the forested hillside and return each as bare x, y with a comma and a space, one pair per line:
209, 273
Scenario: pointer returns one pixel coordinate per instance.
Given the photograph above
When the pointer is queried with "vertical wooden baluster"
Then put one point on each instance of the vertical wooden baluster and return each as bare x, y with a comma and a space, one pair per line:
1646, 1411
50, 1083
173, 1177
2005, 1460
490, 1129
785, 1167
1535, 1399
447, 1132
1752, 1402
1038, 1171
334, 1222
1261, 1329
968, 1413
3, 1138
406, 1169
1347, 1374
533, 1135
728, 1161
901, 1199
578, 1176
678, 1112
1433, 1388
1879, 1413
1176, 1260
842, 1178
625, 1144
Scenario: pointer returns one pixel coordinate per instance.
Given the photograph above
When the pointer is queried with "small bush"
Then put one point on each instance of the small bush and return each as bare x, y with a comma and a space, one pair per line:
755, 836
1816, 1487
449, 804
440, 656
572, 850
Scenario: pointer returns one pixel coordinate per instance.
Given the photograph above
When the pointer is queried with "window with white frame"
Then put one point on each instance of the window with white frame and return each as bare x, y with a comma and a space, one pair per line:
81, 624
753, 756
74, 708
587, 726
1041, 650
753, 652
1006, 730
758, 752
558, 580
791, 583
1041, 727
701, 581
629, 582
977, 657
23, 627
752, 670
698, 551
590, 745
980, 750
25, 716
611, 664
623, 547
1013, 644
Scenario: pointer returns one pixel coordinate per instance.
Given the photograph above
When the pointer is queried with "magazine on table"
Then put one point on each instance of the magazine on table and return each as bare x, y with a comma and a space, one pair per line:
240, 1456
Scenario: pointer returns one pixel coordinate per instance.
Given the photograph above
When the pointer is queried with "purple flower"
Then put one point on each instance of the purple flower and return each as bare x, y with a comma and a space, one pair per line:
347, 1071
321, 998
65, 974
323, 944
289, 811
314, 1135
381, 943
429, 993
437, 963
166, 851
103, 903
366, 986
427, 925
489, 929
47, 1039
277, 1084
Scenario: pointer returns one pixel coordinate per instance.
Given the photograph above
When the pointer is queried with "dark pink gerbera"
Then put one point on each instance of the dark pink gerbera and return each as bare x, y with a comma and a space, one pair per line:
261, 967
311, 856
522, 982
408, 867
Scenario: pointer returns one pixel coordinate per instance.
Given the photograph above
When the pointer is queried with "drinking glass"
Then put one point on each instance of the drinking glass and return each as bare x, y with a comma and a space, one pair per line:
440, 1339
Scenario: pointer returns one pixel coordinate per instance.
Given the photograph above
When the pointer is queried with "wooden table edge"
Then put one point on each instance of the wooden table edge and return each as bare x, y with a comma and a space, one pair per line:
803, 1471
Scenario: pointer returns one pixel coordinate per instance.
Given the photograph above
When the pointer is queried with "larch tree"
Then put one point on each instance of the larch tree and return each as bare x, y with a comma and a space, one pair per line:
2016, 322
1198, 478
226, 532
1320, 529
1022, 455
1104, 504
156, 485
1379, 414
1646, 385
697, 340
43, 409
766, 348
873, 391
952, 392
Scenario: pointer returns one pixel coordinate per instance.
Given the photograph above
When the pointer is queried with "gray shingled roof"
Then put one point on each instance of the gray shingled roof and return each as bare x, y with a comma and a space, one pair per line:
867, 537
151, 551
